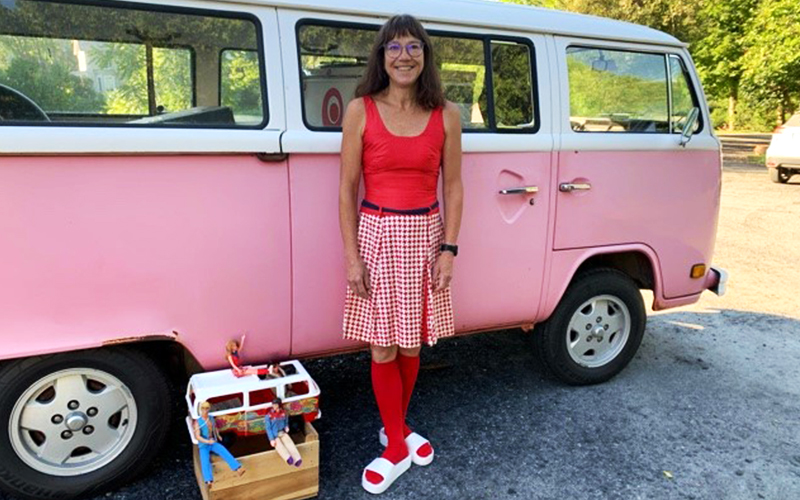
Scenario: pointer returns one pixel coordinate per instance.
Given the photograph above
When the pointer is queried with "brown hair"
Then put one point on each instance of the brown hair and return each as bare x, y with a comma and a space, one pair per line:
429, 92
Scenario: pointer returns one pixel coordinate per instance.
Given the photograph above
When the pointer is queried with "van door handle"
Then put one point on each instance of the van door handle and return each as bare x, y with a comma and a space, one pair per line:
520, 190
568, 187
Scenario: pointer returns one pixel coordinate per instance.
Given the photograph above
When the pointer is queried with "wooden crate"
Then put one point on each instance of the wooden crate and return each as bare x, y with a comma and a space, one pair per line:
268, 477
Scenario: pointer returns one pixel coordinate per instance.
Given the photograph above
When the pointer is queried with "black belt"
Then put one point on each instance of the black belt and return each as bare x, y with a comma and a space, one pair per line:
410, 211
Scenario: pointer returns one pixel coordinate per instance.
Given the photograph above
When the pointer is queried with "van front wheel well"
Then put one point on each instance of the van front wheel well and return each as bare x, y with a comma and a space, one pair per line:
635, 265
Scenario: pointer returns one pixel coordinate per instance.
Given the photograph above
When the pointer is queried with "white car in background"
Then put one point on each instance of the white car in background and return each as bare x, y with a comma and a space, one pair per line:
783, 154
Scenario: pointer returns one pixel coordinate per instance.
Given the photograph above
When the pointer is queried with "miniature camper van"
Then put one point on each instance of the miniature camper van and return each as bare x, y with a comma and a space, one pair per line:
238, 407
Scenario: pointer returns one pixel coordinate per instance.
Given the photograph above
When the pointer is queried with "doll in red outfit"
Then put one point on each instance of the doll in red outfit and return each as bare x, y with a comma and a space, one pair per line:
233, 355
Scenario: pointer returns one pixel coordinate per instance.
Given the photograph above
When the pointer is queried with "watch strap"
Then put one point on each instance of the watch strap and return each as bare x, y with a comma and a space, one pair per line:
449, 248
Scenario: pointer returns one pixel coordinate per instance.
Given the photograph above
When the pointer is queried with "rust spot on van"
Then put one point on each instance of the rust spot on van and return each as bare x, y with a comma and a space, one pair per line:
171, 336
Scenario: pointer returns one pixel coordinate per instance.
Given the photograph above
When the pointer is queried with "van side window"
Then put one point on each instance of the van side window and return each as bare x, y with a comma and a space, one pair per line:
683, 96
617, 91
131, 65
462, 68
513, 87
333, 59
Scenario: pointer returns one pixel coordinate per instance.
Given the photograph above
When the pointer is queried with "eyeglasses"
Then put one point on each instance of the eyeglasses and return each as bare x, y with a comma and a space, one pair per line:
395, 50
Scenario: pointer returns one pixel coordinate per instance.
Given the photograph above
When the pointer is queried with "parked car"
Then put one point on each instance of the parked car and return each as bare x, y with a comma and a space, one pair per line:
169, 180
783, 154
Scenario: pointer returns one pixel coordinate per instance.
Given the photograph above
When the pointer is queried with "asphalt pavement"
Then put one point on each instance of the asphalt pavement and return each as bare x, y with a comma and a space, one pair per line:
698, 414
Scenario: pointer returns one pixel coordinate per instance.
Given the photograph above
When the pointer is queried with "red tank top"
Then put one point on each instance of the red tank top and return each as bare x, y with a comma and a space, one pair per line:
401, 172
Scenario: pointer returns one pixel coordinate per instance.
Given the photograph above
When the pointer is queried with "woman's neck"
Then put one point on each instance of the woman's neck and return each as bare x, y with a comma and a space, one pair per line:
402, 97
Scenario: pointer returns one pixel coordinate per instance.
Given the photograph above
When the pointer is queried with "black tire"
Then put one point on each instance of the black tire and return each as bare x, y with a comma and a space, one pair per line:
551, 337
780, 175
144, 382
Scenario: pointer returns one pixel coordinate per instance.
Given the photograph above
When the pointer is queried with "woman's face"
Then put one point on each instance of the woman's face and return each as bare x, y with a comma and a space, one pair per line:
403, 67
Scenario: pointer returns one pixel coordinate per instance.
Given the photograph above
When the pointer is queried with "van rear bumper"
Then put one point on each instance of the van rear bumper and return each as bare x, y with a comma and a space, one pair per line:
716, 280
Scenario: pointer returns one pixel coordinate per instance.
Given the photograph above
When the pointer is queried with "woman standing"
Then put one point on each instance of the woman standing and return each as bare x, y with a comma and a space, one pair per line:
399, 132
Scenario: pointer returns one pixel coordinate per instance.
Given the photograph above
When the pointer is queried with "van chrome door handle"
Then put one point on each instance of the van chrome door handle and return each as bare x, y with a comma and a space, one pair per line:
520, 190
568, 187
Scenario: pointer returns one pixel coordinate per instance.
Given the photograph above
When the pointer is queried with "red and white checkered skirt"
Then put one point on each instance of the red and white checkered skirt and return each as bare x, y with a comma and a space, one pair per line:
402, 309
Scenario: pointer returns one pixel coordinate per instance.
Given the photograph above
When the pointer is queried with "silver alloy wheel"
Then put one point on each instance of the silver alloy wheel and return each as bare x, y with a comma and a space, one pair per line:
598, 331
72, 422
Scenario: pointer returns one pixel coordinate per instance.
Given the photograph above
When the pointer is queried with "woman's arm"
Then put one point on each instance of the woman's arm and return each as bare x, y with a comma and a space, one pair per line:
453, 191
349, 179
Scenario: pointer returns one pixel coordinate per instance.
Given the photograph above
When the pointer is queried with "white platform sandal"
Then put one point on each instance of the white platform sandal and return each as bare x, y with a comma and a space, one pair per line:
388, 471
414, 442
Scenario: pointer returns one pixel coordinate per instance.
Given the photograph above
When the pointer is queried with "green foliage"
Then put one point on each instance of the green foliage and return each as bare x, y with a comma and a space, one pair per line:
771, 63
240, 86
676, 17
171, 71
511, 70
40, 71
719, 52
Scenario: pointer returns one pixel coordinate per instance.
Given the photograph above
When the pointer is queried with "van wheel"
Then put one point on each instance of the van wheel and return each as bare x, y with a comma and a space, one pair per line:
80, 422
595, 330
780, 175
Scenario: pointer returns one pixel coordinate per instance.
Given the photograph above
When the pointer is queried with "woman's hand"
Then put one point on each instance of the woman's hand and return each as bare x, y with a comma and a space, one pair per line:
442, 271
273, 443
358, 278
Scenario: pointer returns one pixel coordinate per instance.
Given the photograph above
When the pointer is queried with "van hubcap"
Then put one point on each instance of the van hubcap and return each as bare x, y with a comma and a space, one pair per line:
72, 422
598, 331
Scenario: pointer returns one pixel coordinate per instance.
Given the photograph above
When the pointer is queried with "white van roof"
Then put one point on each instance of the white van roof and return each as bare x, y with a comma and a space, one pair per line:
488, 14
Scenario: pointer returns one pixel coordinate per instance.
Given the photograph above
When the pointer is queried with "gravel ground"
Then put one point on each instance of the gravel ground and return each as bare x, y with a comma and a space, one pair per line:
708, 409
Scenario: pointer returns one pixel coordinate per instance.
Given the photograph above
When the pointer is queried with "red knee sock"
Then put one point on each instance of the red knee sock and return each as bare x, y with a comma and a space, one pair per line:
409, 368
388, 388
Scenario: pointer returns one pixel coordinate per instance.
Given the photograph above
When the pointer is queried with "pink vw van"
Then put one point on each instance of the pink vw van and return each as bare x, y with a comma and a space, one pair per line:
168, 181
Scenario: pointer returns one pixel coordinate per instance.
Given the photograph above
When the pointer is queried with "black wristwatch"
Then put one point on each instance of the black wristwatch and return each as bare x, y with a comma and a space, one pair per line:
449, 248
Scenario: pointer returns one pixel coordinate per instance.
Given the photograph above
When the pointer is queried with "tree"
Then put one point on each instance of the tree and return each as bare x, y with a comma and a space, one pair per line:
41, 70
719, 53
771, 62
679, 18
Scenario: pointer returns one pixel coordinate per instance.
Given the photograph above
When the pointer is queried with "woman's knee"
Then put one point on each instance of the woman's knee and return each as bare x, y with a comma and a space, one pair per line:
383, 354
410, 352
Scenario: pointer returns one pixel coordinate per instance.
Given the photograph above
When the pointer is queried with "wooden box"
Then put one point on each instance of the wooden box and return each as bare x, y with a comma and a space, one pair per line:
268, 477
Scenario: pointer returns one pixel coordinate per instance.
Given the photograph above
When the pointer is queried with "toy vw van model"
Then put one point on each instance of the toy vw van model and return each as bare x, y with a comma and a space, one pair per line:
238, 407
169, 179
238, 404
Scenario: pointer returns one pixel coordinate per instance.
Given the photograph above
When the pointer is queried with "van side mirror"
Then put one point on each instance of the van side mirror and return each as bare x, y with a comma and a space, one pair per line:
688, 127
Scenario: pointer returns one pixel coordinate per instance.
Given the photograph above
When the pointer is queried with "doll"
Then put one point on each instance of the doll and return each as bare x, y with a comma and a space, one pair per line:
232, 350
277, 425
205, 431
